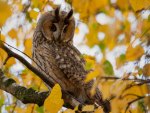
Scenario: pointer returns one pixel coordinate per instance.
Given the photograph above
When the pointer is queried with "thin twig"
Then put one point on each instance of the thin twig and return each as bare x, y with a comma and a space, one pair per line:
145, 32
126, 79
15, 104
135, 84
133, 102
6, 60
17, 50
130, 95
26, 6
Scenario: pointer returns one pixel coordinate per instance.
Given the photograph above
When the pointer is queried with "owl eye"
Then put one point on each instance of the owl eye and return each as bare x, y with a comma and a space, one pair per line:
53, 28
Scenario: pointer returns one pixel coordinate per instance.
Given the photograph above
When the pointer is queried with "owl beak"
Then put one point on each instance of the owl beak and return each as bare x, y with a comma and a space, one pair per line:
58, 37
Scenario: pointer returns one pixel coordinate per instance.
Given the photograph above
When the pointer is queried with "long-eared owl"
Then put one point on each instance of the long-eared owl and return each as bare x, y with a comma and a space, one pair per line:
56, 56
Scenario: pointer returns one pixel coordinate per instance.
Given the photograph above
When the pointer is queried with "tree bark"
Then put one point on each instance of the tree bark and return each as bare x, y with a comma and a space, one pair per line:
23, 94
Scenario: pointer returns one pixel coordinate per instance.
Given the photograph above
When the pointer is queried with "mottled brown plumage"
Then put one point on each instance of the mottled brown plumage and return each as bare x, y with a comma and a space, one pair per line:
54, 52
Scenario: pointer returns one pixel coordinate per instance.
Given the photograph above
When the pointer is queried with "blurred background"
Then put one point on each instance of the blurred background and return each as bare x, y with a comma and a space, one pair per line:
113, 35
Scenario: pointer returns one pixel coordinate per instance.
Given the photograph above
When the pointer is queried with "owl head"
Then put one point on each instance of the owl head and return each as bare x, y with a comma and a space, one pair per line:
57, 25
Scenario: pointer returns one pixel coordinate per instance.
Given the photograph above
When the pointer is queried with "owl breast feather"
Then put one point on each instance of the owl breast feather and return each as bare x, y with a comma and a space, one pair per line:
69, 60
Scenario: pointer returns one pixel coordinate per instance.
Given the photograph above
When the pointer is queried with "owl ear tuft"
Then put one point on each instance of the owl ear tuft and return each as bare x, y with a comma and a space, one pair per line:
69, 15
57, 13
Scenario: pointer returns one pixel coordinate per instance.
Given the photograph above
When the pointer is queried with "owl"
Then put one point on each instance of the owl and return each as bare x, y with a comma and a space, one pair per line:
59, 59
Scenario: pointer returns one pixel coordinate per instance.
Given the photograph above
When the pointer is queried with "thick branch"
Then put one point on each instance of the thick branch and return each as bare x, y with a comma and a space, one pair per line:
70, 101
27, 64
23, 94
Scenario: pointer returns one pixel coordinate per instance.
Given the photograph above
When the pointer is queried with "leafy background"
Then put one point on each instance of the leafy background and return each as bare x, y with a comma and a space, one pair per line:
113, 35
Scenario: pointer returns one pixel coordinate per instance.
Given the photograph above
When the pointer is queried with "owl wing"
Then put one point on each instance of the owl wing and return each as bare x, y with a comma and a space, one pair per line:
70, 62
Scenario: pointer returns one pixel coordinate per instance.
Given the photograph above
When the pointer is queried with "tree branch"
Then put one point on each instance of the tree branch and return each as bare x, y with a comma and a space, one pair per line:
23, 94
139, 98
70, 101
140, 81
27, 64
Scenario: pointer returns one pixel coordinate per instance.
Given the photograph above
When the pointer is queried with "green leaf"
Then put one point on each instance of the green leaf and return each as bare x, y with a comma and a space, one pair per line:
8, 108
141, 106
102, 46
122, 57
108, 68
95, 26
1, 101
40, 109
90, 62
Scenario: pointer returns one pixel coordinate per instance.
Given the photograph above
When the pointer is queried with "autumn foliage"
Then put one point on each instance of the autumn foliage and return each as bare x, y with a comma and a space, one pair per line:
114, 37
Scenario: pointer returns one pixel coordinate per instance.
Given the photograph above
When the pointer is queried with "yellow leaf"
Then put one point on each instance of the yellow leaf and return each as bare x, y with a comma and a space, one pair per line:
77, 30
27, 109
134, 53
38, 3
54, 102
5, 12
139, 4
92, 36
19, 110
90, 62
123, 4
28, 43
138, 90
99, 110
105, 88
92, 75
98, 71
30, 108
20, 6
3, 54
69, 111
12, 33
146, 69
33, 14
88, 108
10, 62
82, 6
112, 43
28, 47
118, 87
2, 37
95, 5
